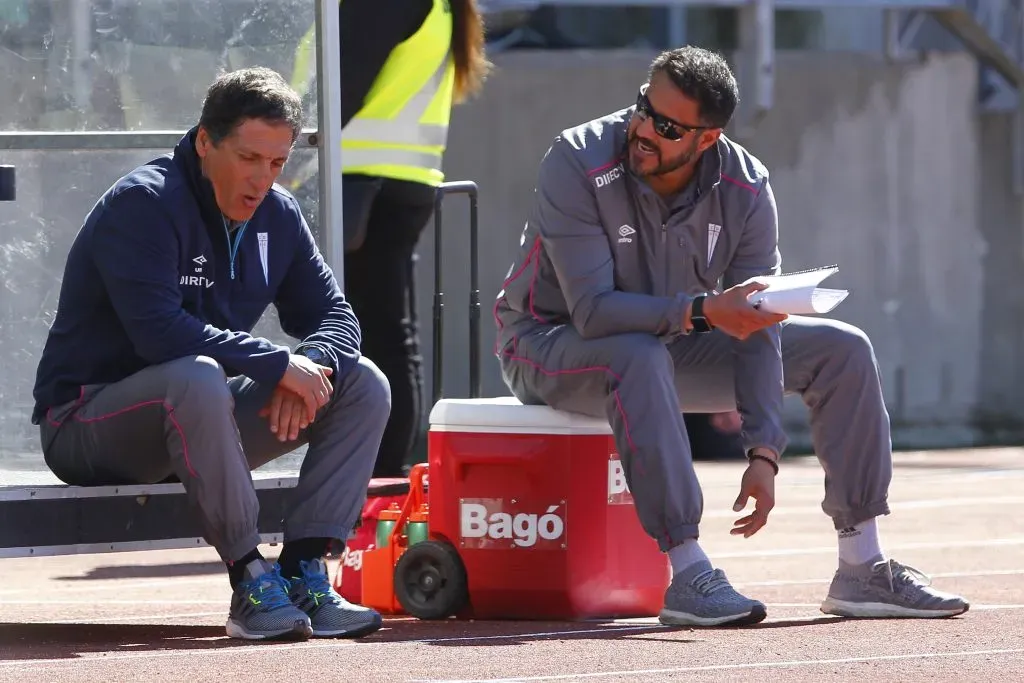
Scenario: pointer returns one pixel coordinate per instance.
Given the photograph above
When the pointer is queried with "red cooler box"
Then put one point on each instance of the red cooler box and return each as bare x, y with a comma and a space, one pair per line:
535, 502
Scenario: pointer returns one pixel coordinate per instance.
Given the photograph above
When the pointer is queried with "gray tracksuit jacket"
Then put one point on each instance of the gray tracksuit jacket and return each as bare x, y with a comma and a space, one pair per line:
604, 252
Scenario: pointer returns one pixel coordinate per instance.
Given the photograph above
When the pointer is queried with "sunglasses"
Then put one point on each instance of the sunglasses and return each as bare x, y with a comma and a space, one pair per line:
663, 125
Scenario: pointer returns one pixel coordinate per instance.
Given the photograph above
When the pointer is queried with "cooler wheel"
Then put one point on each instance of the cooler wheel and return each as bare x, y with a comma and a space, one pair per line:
430, 580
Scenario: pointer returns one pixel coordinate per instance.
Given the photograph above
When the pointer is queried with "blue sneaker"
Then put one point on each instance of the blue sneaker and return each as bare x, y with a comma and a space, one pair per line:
701, 595
261, 610
332, 616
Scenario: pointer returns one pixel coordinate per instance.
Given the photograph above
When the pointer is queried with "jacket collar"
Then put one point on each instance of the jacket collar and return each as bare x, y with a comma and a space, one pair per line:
706, 178
202, 189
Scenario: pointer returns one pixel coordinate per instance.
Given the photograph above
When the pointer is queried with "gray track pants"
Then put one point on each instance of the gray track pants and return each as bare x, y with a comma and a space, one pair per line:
186, 418
829, 363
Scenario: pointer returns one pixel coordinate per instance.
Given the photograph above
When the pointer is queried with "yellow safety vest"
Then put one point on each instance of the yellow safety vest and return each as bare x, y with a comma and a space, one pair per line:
402, 129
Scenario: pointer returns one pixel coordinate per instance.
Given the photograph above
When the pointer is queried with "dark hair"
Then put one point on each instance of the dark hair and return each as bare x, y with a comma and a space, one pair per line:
254, 93
704, 77
471, 65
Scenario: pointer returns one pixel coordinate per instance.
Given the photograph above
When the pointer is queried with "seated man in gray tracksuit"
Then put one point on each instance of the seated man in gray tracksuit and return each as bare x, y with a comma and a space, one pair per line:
611, 309
151, 371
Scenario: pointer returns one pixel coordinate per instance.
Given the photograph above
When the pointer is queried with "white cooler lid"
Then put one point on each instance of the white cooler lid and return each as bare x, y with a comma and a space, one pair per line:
505, 414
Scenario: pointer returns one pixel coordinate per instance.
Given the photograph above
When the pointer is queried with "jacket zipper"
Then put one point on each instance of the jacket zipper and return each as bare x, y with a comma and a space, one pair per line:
233, 248
666, 265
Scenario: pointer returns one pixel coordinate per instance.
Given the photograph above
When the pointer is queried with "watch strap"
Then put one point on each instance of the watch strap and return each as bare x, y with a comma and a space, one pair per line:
697, 319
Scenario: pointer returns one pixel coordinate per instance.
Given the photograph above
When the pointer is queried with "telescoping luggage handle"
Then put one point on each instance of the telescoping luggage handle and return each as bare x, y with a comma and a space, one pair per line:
466, 187
7, 185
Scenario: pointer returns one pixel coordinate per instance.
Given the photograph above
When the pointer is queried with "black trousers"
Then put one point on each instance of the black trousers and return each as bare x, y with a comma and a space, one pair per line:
379, 283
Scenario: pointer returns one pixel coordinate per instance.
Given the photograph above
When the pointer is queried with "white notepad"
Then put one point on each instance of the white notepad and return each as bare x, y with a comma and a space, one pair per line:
798, 293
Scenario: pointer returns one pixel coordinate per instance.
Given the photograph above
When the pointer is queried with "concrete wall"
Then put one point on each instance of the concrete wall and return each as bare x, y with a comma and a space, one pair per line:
888, 170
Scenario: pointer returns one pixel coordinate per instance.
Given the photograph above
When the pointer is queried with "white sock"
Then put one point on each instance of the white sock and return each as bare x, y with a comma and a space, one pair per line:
859, 544
686, 553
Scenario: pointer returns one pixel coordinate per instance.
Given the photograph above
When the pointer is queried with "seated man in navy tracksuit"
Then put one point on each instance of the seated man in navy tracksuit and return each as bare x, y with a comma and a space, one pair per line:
150, 371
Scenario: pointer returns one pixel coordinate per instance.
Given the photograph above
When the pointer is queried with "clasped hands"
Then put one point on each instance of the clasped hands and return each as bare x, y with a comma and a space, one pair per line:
302, 391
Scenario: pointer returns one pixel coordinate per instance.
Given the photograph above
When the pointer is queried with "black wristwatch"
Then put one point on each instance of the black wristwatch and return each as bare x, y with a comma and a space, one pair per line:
697, 319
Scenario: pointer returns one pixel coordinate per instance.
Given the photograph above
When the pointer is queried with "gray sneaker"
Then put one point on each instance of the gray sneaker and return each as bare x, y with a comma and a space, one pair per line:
261, 610
332, 615
702, 596
888, 589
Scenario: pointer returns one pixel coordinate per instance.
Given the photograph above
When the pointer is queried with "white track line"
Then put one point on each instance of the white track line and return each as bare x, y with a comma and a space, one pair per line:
815, 605
248, 649
256, 648
127, 585
642, 621
894, 506
738, 584
928, 545
79, 586
142, 617
808, 582
732, 667
168, 601
909, 479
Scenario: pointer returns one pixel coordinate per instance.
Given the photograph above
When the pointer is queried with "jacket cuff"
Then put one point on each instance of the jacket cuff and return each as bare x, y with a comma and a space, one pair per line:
312, 350
675, 313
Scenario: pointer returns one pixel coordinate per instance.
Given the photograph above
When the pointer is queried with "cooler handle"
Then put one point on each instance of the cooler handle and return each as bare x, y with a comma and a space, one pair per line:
459, 463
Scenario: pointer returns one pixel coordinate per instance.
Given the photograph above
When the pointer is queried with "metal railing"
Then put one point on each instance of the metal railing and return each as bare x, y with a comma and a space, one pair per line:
991, 29
111, 140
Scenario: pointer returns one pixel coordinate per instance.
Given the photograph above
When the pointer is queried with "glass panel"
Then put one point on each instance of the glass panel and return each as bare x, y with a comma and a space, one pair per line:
103, 65
134, 64
56, 189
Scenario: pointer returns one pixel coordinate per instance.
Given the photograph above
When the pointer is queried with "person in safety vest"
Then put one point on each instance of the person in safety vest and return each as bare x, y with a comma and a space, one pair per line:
635, 293
404, 63
150, 371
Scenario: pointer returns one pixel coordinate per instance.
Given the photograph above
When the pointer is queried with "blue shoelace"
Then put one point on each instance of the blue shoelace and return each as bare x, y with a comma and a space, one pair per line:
268, 591
317, 584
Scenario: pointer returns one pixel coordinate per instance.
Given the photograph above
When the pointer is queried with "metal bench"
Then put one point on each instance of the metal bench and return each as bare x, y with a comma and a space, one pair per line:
40, 515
